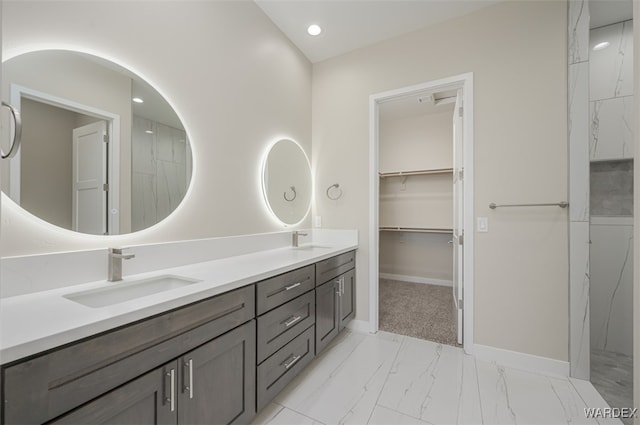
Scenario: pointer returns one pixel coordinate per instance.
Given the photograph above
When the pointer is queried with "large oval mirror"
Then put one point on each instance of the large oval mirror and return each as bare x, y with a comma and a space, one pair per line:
286, 182
102, 151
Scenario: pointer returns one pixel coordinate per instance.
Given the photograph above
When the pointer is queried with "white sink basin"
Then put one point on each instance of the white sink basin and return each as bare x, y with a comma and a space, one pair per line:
311, 247
121, 292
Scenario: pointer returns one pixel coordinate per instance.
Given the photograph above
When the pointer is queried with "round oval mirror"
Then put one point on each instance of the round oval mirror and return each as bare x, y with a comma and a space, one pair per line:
102, 151
286, 182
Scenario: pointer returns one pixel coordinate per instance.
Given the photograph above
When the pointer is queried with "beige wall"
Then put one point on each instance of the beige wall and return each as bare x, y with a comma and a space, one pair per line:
517, 52
233, 78
46, 157
420, 142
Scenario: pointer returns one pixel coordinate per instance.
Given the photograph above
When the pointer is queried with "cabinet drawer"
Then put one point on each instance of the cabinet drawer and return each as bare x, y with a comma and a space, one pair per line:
278, 370
281, 325
46, 386
273, 292
334, 266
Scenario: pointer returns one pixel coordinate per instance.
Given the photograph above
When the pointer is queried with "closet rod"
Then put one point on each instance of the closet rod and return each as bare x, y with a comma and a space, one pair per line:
417, 172
562, 204
413, 229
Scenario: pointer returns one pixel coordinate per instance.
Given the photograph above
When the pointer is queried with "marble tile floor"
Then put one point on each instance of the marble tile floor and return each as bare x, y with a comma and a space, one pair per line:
391, 379
612, 376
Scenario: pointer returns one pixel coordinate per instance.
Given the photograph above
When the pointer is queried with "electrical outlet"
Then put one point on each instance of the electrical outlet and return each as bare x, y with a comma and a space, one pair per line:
317, 221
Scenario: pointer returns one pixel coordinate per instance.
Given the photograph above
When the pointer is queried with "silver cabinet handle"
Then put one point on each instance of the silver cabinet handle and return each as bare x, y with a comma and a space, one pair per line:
294, 360
17, 133
171, 399
290, 287
292, 320
188, 386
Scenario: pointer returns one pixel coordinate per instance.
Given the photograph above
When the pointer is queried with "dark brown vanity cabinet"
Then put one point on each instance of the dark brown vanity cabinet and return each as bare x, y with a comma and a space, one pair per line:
216, 361
335, 298
142, 401
125, 375
285, 338
212, 384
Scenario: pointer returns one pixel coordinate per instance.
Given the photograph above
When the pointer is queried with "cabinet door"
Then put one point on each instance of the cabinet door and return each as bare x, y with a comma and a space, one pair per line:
218, 379
144, 401
347, 306
327, 317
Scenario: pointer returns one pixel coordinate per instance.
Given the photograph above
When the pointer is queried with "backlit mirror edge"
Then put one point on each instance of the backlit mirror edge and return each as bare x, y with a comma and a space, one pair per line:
7, 202
263, 188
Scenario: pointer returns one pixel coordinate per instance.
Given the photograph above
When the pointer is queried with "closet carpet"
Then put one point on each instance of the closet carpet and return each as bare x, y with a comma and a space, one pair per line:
418, 310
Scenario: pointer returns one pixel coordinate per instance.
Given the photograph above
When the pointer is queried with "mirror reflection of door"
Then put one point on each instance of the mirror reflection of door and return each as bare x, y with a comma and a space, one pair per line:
458, 218
90, 182
53, 175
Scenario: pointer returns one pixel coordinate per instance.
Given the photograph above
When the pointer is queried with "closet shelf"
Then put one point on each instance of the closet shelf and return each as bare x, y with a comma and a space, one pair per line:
414, 229
417, 172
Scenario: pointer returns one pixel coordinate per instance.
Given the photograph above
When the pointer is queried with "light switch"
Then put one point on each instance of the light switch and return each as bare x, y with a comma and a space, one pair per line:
317, 221
483, 224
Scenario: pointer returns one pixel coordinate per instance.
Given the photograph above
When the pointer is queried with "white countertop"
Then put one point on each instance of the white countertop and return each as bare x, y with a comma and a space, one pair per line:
39, 321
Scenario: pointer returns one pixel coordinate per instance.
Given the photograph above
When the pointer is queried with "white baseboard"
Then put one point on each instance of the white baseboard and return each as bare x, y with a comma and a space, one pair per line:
523, 361
513, 359
416, 279
359, 326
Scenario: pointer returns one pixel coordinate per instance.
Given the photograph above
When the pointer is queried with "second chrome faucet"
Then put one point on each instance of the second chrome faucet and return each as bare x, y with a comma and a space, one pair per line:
115, 264
295, 236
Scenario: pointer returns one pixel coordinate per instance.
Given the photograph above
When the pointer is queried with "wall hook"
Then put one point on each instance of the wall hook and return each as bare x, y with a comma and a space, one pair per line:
293, 189
336, 196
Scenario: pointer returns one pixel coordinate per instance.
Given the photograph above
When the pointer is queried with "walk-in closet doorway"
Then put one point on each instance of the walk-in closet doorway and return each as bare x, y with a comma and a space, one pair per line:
421, 203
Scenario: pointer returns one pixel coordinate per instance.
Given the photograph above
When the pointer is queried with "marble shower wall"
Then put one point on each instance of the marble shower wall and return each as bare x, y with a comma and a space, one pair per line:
611, 92
161, 169
612, 284
578, 86
611, 154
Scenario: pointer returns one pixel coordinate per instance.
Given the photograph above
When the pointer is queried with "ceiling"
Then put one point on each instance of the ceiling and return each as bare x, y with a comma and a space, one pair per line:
606, 12
352, 24
427, 102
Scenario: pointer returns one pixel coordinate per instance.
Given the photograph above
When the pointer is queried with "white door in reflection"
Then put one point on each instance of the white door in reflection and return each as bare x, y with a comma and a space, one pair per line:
89, 194
458, 218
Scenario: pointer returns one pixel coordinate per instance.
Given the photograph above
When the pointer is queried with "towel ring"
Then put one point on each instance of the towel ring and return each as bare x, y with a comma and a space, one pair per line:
293, 189
17, 133
338, 196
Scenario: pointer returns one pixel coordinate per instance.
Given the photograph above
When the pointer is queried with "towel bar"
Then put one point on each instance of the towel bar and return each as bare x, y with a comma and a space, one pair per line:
562, 204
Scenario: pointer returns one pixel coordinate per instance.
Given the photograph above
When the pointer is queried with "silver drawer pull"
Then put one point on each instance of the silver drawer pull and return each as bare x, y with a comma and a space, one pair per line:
172, 389
292, 320
290, 287
188, 375
293, 361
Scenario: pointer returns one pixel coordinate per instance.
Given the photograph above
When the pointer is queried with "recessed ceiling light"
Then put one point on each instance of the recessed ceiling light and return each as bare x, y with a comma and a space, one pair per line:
314, 29
601, 46
137, 100
148, 131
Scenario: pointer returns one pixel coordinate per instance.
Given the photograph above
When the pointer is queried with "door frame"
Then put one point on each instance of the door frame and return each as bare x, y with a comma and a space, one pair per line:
465, 83
18, 92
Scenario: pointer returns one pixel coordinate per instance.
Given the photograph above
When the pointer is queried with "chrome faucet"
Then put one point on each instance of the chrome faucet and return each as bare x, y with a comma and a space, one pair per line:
115, 263
294, 239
